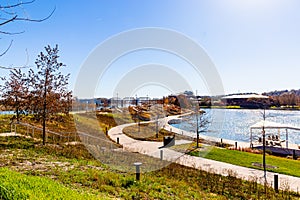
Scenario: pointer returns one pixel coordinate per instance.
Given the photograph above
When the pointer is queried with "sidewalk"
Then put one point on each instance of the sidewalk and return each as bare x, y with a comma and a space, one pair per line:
152, 149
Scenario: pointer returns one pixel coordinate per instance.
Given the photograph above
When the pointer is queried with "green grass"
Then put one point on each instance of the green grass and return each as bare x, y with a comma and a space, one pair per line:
14, 185
245, 159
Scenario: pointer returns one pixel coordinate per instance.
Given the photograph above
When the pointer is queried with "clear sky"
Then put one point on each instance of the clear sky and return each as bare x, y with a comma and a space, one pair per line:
254, 44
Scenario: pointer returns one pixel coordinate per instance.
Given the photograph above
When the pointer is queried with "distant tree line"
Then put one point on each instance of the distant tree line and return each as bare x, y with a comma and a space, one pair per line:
285, 98
41, 92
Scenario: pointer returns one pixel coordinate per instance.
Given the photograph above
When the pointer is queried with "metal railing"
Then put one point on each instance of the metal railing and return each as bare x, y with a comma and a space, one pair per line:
37, 132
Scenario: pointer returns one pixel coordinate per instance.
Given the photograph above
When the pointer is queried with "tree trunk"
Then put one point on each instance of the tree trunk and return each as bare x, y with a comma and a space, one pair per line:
45, 107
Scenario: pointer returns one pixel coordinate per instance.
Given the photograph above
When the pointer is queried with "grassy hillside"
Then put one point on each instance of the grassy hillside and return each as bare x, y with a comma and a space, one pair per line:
72, 170
14, 185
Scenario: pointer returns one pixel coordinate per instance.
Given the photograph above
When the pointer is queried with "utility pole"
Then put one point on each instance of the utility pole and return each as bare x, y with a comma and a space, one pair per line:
264, 147
197, 119
197, 129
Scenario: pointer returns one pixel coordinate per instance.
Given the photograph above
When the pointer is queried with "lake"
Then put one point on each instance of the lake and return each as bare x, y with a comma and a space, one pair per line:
6, 112
234, 124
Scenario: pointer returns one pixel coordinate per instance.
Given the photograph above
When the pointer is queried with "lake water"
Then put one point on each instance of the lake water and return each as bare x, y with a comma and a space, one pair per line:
6, 112
234, 124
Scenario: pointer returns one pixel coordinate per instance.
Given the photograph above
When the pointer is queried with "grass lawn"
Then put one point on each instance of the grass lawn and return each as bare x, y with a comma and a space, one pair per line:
245, 159
14, 185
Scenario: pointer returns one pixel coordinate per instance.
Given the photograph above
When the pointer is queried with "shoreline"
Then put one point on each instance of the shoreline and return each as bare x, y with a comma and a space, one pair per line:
235, 143
244, 108
153, 149
168, 127
240, 144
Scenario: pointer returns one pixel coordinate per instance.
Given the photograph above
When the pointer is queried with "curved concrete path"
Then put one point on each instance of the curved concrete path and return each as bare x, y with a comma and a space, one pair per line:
152, 149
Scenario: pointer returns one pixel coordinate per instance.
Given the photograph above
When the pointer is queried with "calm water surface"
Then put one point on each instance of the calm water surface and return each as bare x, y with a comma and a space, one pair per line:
235, 124
6, 112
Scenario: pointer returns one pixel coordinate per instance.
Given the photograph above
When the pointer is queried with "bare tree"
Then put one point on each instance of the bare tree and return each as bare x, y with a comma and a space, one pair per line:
14, 12
202, 123
49, 87
288, 99
201, 120
264, 149
264, 116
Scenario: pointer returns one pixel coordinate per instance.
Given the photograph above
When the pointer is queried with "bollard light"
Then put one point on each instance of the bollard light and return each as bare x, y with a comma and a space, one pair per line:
276, 183
103, 149
161, 154
137, 170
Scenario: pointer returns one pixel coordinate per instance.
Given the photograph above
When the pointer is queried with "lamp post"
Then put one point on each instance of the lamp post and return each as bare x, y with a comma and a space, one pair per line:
264, 147
136, 100
147, 99
197, 119
139, 122
197, 129
117, 100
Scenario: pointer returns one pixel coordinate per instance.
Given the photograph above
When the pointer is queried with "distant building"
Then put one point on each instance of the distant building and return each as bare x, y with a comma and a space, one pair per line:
143, 100
127, 101
246, 100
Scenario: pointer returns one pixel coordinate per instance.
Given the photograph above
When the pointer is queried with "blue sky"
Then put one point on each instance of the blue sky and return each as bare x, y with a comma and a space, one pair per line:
254, 44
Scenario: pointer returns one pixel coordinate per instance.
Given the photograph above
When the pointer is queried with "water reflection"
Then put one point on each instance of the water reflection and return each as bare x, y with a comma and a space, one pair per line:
235, 124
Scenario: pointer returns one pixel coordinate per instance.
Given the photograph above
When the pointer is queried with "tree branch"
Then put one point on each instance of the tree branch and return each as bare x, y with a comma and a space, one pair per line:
36, 20
7, 48
9, 20
12, 16
1, 67
10, 33
16, 5
20, 67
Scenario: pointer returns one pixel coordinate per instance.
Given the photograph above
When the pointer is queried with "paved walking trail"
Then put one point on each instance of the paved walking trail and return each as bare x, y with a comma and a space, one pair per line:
152, 149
